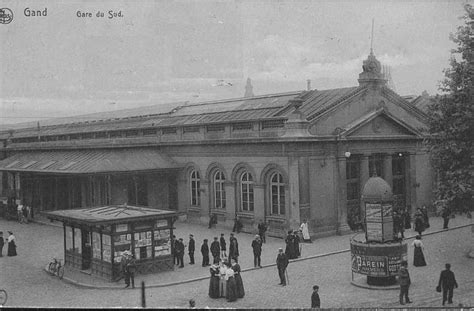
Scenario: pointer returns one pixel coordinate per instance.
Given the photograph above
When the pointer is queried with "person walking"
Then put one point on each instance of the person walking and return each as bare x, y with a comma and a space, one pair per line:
282, 263
305, 231
296, 243
19, 210
315, 301
223, 245
128, 268
180, 252
191, 248
233, 248
212, 220
2, 243
262, 228
447, 282
215, 248
205, 253
173, 250
257, 251
237, 225
404, 281
418, 256
230, 284
419, 224
426, 219
445, 214
290, 245
11, 245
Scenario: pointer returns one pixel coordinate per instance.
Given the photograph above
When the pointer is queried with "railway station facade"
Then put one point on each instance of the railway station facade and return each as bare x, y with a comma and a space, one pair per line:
282, 158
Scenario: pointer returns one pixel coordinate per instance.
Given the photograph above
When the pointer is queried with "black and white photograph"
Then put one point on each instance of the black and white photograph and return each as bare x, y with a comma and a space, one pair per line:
237, 154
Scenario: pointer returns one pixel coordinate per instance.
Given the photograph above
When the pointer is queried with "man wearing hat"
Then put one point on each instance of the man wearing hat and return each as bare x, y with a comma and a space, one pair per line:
180, 252
404, 281
282, 263
315, 301
191, 248
128, 268
257, 251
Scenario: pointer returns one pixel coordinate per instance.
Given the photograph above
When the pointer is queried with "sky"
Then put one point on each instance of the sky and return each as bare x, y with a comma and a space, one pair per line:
175, 51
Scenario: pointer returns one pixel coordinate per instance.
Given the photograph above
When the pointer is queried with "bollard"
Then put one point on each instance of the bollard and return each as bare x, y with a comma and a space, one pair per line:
143, 295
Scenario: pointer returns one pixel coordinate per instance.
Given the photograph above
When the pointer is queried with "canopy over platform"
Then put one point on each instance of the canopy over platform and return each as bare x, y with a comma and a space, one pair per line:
107, 215
88, 161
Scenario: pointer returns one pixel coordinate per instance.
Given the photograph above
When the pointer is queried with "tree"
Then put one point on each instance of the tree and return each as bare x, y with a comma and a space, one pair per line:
451, 122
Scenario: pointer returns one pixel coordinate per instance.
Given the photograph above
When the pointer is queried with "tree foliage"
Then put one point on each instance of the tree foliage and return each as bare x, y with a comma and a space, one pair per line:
451, 122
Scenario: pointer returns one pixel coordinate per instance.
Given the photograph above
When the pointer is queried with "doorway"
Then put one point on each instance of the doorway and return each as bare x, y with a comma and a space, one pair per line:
86, 249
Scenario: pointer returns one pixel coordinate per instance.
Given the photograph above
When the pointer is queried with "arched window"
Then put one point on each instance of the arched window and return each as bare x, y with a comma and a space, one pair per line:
219, 190
195, 185
246, 192
277, 188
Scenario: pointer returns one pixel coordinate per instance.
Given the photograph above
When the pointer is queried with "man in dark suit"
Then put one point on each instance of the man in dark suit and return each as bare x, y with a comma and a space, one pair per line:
205, 253
215, 248
282, 263
180, 252
447, 282
315, 301
257, 251
404, 281
191, 248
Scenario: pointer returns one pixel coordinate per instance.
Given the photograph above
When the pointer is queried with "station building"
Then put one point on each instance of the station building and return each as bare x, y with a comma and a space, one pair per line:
282, 158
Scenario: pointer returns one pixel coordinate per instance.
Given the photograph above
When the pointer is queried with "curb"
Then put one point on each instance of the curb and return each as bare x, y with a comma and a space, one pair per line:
89, 286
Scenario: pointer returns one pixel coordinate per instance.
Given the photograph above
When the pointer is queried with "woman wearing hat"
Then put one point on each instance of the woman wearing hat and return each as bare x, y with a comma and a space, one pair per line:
418, 256
11, 244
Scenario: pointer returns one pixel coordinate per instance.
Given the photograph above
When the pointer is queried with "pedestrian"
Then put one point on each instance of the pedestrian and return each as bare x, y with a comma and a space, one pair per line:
19, 209
215, 248
191, 248
28, 213
257, 251
426, 219
418, 256
406, 219
315, 301
262, 228
180, 252
238, 278
11, 245
404, 281
296, 243
233, 248
2, 243
419, 224
173, 249
290, 245
445, 214
230, 284
25, 213
222, 279
214, 280
128, 268
237, 225
305, 231
205, 253
282, 263
223, 246
212, 220
447, 283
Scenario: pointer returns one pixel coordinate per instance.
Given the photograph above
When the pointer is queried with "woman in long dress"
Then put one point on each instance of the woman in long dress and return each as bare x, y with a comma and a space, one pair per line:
418, 256
419, 224
238, 279
214, 281
231, 286
11, 244
305, 231
222, 280
290, 245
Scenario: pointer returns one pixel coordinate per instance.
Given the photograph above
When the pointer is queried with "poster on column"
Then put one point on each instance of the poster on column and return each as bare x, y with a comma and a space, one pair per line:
373, 212
374, 231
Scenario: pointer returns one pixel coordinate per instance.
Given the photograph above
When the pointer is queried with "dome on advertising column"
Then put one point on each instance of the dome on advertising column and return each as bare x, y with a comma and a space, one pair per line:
377, 188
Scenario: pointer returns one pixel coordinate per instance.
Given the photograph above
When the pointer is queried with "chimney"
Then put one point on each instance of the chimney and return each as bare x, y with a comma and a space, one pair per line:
249, 89
308, 85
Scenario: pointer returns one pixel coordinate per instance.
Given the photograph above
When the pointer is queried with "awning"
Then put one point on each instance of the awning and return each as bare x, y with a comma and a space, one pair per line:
88, 161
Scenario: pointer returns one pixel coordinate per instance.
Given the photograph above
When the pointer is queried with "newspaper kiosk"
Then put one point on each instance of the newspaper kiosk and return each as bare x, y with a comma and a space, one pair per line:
95, 238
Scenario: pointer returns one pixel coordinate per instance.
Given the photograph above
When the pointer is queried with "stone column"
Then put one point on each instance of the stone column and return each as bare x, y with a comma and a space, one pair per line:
411, 182
341, 194
293, 193
230, 208
387, 168
259, 202
303, 172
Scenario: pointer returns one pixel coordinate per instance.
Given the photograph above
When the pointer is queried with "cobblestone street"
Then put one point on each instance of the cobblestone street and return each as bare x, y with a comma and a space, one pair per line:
28, 284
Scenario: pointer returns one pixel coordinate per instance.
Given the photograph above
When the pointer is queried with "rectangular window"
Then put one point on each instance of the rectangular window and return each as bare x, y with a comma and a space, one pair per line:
149, 132
168, 130
115, 134
191, 129
101, 135
271, 124
69, 239
376, 165
215, 128
242, 126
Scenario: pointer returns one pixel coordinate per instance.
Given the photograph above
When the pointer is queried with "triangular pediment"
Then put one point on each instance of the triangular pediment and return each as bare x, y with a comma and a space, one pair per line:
379, 124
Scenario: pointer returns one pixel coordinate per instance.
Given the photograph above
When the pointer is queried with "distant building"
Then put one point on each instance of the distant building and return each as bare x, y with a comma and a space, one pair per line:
280, 157
422, 101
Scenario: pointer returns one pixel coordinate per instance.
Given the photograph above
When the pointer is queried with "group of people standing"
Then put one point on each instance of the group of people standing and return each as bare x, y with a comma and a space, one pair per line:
25, 213
226, 280
11, 250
